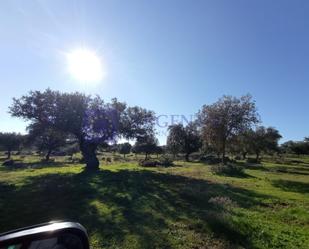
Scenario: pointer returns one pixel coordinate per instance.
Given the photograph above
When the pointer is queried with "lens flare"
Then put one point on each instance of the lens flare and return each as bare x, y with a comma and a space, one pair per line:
85, 66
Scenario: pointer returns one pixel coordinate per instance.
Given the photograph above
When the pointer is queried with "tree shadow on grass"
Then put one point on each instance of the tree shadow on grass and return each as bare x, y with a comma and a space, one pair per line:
116, 205
298, 170
281, 169
253, 166
20, 165
292, 186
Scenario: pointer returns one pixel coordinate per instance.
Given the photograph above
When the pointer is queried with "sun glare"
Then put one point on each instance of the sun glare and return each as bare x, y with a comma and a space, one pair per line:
85, 66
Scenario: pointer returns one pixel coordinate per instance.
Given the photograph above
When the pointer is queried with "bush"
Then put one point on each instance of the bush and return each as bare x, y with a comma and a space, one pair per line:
166, 162
117, 158
229, 169
8, 163
210, 159
148, 163
222, 202
297, 161
51, 160
253, 160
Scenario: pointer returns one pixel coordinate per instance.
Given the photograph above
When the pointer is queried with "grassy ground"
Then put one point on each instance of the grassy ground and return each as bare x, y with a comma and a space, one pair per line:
186, 206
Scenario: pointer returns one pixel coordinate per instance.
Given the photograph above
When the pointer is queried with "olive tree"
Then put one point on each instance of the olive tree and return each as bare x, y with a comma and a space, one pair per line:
263, 139
146, 144
46, 139
183, 139
10, 141
124, 148
226, 118
89, 119
175, 139
296, 147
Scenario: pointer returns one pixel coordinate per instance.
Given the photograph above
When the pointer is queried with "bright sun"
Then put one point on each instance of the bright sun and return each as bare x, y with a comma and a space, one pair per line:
85, 66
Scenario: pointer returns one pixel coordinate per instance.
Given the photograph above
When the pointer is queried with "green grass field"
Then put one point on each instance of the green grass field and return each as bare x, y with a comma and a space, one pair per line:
127, 206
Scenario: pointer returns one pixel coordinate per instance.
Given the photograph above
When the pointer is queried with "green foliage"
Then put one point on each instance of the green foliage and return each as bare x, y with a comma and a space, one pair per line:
148, 163
47, 140
225, 119
210, 159
183, 139
229, 169
146, 144
175, 138
92, 121
166, 161
136, 122
124, 148
262, 139
296, 147
10, 141
253, 160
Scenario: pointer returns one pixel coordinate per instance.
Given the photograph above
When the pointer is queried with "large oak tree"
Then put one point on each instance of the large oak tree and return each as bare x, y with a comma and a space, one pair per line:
262, 139
183, 139
226, 118
89, 119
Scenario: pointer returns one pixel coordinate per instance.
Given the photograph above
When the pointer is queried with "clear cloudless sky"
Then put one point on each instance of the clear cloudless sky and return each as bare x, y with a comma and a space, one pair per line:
171, 56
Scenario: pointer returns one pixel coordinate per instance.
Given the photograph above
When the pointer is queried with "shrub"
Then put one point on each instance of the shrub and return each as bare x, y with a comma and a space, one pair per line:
210, 159
148, 163
117, 158
166, 162
229, 169
51, 160
253, 160
297, 161
222, 202
8, 163
59, 153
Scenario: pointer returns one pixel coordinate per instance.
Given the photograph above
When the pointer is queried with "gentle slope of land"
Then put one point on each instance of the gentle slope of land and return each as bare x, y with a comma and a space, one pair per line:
186, 206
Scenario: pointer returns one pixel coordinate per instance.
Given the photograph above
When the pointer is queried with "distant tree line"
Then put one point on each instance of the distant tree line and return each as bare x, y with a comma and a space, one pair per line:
296, 147
57, 117
230, 125
84, 123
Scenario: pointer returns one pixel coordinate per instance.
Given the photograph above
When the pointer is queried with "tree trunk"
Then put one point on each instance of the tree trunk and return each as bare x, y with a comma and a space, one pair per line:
146, 156
257, 156
223, 157
244, 155
223, 152
89, 153
187, 157
9, 154
47, 155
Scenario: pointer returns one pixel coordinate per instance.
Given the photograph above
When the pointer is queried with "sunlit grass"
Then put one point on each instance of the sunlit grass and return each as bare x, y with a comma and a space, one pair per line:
126, 206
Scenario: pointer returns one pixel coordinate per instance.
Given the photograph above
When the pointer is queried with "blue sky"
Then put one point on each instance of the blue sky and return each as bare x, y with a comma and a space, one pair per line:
168, 56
